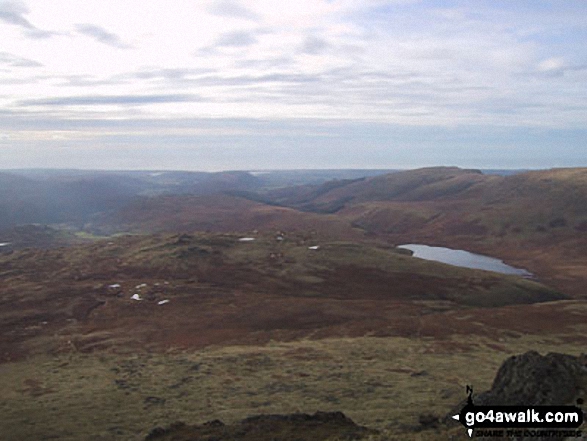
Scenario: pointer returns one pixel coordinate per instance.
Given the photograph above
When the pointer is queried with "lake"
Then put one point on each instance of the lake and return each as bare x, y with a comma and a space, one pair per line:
463, 259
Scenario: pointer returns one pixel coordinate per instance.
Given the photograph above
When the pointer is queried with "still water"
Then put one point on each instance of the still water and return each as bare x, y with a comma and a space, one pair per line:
464, 259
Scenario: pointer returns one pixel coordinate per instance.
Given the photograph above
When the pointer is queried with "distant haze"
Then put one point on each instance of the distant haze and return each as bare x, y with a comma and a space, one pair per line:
263, 84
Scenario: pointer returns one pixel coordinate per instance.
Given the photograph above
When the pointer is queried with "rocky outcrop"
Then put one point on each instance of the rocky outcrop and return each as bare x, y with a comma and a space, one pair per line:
534, 379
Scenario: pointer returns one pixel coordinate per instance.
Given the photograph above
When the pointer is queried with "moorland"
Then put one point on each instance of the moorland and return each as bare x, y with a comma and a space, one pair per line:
130, 300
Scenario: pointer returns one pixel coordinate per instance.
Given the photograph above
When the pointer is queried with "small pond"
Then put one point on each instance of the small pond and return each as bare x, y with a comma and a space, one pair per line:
464, 259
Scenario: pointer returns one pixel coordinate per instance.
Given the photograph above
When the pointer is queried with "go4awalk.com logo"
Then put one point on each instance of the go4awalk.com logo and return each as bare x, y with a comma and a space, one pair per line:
516, 421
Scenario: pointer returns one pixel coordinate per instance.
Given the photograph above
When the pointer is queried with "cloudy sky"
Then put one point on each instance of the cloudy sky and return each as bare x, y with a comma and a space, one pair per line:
266, 84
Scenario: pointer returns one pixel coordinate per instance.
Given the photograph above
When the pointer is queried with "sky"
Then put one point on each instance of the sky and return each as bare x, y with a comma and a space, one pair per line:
266, 84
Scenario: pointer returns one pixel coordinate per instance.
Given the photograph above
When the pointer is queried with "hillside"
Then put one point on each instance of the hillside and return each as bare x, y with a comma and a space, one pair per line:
528, 202
535, 220
28, 201
216, 213
223, 290
414, 185
315, 310
148, 330
74, 197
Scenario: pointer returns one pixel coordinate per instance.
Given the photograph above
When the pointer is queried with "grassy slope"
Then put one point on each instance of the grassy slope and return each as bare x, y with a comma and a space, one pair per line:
90, 363
384, 383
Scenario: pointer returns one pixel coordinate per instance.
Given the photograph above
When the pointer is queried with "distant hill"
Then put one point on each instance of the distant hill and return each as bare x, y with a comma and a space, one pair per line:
451, 201
414, 185
535, 220
74, 197
216, 213
25, 200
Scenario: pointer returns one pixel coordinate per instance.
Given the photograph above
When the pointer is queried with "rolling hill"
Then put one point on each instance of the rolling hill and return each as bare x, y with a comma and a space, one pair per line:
535, 220
452, 201
175, 317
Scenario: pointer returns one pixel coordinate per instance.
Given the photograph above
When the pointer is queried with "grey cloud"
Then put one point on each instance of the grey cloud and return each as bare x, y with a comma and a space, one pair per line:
175, 77
88, 81
102, 35
38, 34
250, 80
557, 72
314, 45
564, 70
97, 100
229, 8
13, 13
267, 63
236, 39
16, 61
181, 74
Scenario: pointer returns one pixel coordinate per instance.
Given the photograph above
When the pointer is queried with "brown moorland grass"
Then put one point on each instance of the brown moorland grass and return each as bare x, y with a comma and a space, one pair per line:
382, 383
219, 290
255, 327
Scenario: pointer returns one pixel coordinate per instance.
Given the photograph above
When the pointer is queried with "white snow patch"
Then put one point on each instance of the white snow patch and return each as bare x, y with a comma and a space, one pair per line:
246, 239
142, 285
163, 302
4, 244
136, 297
315, 247
115, 285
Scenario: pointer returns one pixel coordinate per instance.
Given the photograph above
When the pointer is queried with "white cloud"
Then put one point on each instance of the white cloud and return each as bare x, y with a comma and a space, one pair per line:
551, 64
397, 62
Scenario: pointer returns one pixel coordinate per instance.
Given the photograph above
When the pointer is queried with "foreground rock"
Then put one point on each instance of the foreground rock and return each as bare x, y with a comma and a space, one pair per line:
532, 379
298, 427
